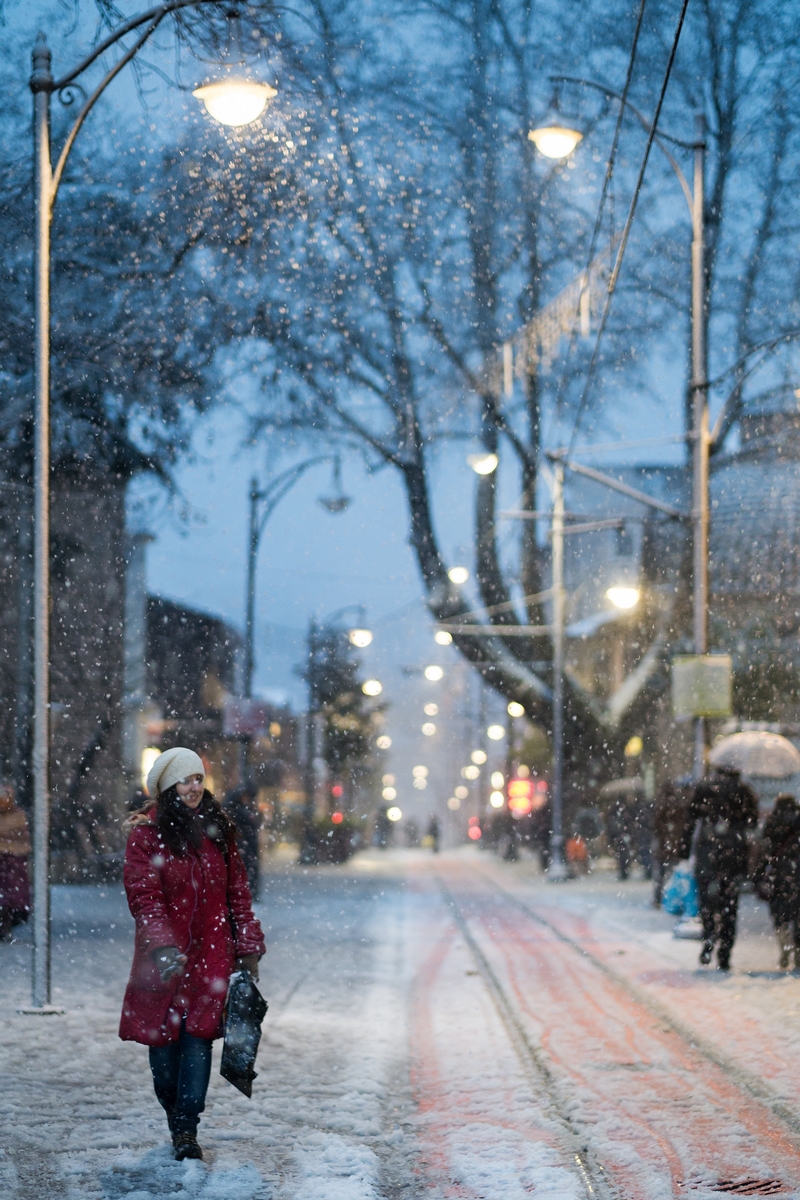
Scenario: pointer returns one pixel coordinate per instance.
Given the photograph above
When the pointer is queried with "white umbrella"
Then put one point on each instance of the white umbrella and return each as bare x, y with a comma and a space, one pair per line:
758, 754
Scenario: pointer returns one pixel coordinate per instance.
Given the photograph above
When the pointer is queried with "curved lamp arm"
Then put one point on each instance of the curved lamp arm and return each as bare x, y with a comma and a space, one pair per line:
658, 138
278, 487
732, 404
152, 18
157, 13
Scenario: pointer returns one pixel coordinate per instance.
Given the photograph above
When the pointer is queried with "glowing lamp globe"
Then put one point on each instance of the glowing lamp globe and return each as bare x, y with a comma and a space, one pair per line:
483, 464
235, 102
360, 638
515, 710
623, 597
372, 687
555, 141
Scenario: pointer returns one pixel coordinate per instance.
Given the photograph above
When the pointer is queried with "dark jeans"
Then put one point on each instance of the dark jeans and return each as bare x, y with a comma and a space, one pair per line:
719, 903
181, 1071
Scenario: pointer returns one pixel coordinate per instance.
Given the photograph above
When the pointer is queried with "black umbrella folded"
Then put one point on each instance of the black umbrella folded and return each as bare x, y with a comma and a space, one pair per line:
245, 1012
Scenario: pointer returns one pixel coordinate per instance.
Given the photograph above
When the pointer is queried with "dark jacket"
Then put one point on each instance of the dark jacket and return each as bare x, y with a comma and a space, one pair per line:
241, 807
200, 903
669, 818
781, 847
726, 808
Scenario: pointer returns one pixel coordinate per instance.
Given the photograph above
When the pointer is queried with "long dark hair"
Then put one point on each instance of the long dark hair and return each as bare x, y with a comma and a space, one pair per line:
181, 826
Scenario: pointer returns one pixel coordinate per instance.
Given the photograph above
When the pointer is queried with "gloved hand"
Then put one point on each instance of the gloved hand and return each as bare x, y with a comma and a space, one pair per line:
169, 962
249, 963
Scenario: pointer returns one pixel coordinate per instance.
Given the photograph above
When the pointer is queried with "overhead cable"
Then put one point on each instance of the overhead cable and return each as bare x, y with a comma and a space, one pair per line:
612, 283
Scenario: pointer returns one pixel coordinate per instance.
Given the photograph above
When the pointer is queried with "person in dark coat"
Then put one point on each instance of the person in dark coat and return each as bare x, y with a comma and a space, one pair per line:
187, 891
781, 872
725, 809
669, 817
620, 831
15, 846
241, 805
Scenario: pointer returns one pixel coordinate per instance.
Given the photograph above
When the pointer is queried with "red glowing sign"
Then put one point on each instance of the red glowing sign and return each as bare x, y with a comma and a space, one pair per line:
473, 832
337, 818
337, 790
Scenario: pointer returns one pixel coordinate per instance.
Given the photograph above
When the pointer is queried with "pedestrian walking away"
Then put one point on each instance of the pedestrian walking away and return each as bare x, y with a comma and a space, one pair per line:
778, 878
725, 809
15, 846
669, 817
188, 893
241, 805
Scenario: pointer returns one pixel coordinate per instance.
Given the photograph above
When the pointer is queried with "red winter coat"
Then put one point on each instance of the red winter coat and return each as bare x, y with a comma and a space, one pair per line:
199, 903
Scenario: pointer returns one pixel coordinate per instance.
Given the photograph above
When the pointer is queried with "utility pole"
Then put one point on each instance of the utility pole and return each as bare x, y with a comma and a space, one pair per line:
557, 870
308, 852
699, 427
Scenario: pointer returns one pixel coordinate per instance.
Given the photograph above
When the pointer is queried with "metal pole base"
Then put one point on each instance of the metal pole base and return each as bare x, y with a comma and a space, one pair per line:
557, 871
46, 1010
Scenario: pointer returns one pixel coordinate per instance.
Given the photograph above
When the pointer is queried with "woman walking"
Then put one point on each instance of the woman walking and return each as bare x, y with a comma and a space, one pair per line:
187, 890
780, 876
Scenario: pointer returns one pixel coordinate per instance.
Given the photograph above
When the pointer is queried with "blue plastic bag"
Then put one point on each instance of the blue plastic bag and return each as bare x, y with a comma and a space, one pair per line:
680, 897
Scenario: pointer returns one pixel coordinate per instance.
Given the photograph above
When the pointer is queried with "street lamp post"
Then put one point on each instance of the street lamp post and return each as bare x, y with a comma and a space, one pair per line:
557, 868
46, 184
700, 439
695, 199
270, 497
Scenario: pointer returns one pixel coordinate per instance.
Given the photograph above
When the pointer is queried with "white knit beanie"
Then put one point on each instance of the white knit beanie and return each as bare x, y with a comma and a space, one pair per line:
171, 767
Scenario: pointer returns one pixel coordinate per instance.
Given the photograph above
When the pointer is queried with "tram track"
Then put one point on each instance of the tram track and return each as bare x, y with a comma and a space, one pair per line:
749, 1083
534, 1064
676, 1116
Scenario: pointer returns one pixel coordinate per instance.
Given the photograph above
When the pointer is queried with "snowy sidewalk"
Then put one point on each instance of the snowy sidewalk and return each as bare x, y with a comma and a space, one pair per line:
388, 1067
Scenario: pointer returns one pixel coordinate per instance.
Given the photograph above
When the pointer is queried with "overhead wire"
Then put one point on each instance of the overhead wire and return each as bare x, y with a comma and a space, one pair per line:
604, 192
612, 283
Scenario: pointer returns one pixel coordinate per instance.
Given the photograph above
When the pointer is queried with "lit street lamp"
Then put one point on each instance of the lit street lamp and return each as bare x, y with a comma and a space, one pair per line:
47, 181
555, 141
483, 464
235, 102
360, 638
623, 597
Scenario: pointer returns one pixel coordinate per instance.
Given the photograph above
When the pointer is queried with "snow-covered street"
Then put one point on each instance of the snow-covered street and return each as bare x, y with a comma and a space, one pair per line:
447, 1027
